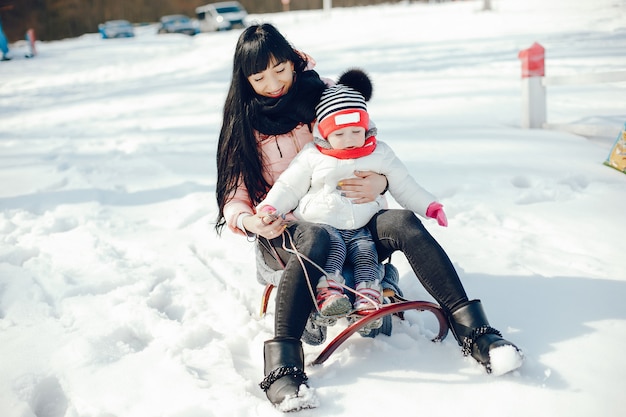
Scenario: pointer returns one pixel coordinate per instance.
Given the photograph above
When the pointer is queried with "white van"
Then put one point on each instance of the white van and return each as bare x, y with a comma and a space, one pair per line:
221, 16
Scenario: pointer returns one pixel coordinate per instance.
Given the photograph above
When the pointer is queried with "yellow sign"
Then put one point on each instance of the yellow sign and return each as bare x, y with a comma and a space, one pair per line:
617, 156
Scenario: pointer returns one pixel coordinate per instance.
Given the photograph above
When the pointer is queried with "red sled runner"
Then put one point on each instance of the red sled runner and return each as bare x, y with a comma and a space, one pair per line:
397, 305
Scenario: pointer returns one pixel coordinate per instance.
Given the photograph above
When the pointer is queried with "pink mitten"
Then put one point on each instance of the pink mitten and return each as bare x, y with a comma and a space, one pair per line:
435, 211
271, 214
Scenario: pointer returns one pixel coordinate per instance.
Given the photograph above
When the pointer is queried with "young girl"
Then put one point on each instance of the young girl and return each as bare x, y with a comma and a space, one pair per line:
268, 118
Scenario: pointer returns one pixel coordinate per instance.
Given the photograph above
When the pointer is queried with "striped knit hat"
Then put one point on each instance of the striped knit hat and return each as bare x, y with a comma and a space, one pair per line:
343, 104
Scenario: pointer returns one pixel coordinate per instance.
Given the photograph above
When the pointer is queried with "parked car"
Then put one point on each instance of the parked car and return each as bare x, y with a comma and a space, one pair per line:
221, 16
177, 23
116, 29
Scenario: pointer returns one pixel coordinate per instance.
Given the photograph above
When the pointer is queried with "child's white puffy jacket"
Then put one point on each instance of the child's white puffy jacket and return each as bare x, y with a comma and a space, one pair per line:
309, 187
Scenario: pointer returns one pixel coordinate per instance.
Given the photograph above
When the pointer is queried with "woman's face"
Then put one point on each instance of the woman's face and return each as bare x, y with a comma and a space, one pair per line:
274, 81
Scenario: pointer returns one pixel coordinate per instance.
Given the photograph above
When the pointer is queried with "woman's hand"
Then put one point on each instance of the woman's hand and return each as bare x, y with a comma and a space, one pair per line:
268, 225
365, 188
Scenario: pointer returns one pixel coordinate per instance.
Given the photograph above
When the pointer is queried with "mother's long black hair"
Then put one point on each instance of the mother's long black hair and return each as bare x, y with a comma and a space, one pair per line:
238, 157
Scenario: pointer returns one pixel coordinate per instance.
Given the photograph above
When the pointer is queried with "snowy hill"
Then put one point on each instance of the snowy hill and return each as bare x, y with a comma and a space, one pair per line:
118, 299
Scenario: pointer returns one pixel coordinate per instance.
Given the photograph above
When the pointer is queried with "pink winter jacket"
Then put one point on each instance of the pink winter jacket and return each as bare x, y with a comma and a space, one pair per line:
277, 151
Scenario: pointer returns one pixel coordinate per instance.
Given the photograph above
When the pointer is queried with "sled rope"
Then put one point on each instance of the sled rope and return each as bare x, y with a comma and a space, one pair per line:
301, 258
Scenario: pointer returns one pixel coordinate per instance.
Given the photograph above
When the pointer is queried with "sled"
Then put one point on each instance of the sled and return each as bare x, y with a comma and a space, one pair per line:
397, 306
617, 156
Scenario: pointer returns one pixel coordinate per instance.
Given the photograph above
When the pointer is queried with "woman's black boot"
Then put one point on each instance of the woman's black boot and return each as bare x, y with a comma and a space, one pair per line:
284, 375
471, 329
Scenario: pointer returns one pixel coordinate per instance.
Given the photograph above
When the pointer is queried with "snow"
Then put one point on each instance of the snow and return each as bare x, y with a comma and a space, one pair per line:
118, 299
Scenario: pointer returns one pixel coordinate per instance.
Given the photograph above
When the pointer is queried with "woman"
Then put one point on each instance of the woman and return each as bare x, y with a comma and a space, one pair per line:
268, 117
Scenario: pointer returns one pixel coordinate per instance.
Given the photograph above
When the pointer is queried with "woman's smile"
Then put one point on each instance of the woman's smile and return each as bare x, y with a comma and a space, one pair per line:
276, 93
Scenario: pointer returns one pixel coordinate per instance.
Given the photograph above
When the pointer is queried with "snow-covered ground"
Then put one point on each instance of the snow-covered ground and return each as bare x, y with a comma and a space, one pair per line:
118, 299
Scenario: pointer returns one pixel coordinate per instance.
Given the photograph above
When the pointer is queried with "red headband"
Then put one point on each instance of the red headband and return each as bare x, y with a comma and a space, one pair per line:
341, 119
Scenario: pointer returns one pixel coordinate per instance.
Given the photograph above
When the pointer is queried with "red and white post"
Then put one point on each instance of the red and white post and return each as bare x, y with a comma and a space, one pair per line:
533, 90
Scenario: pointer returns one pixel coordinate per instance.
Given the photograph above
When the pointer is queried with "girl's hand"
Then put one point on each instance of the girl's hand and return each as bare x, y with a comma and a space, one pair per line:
268, 225
365, 188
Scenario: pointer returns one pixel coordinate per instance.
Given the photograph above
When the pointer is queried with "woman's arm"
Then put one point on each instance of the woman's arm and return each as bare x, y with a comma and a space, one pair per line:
264, 224
242, 218
365, 188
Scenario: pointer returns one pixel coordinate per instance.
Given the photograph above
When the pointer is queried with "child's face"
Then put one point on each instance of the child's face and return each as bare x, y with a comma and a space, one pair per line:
347, 137
274, 81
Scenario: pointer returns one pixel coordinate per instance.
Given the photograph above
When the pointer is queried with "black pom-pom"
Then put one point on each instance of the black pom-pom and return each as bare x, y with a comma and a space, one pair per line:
358, 80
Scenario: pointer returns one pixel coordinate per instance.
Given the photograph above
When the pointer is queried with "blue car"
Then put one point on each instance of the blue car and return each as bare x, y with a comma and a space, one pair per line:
116, 29
177, 23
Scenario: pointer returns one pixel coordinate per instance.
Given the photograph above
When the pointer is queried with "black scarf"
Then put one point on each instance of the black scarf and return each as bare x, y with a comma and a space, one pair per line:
275, 116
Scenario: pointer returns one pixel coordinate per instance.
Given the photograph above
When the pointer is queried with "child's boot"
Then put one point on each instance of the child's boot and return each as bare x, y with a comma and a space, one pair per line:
368, 297
331, 301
